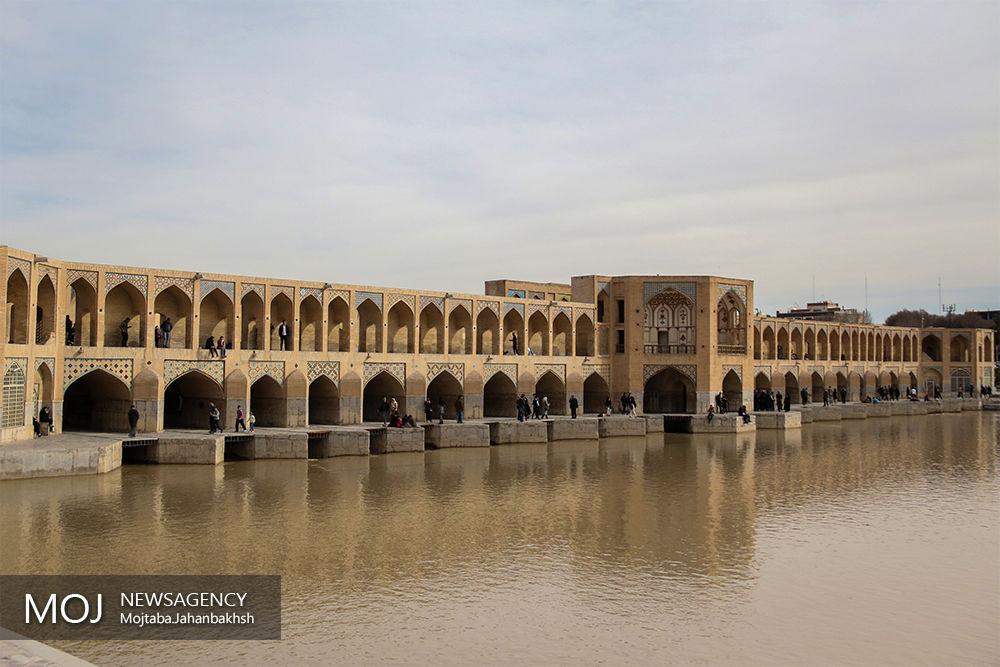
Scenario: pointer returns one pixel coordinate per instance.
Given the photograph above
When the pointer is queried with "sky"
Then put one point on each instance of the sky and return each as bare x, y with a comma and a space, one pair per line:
809, 146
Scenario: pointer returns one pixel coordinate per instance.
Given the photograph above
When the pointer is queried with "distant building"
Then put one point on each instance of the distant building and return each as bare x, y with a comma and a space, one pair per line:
825, 311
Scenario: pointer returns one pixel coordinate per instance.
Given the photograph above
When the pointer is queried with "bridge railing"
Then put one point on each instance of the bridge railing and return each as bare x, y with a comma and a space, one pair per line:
670, 349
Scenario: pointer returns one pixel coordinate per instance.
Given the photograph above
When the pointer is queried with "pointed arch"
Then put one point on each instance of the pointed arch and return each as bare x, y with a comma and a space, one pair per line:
431, 330
253, 332
399, 322
83, 305
369, 327
281, 311
562, 335
14, 388
460, 331
769, 343
324, 401
174, 304
96, 401
499, 396
822, 346
447, 387
584, 336
731, 317
732, 389
669, 391
382, 385
187, 399
538, 333
17, 308
339, 325
513, 323
552, 387
487, 332
595, 393
310, 324
124, 302
45, 311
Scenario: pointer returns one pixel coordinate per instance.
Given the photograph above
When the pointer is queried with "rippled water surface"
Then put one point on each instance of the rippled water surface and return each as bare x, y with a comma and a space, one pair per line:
868, 542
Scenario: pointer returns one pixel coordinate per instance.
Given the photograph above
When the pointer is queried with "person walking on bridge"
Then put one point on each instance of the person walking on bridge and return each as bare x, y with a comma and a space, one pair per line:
165, 329
573, 405
459, 409
133, 421
283, 335
239, 419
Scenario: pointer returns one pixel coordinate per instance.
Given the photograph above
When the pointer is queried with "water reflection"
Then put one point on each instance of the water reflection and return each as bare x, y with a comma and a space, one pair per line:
672, 531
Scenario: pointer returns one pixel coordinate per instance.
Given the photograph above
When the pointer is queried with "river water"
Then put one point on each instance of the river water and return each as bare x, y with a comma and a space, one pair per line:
872, 542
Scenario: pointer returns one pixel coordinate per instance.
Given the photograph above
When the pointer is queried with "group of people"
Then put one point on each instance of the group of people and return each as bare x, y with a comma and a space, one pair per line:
161, 333
532, 408
742, 412
216, 347
389, 409
767, 400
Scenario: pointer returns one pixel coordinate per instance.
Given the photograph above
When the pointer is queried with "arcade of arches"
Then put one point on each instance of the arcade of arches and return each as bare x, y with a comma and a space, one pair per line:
84, 340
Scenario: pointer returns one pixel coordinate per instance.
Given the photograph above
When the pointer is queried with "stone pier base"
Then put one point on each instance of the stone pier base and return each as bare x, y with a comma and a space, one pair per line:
828, 413
514, 432
340, 442
440, 436
581, 428
654, 423
193, 449
729, 422
778, 420
878, 410
611, 427
271, 445
389, 440
855, 410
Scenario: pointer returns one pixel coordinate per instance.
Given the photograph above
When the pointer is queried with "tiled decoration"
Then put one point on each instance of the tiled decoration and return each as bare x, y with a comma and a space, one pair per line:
113, 280
534, 308
342, 293
50, 271
738, 370
396, 370
314, 292
330, 369
77, 368
246, 288
585, 312
455, 303
287, 290
518, 307
649, 290
392, 299
689, 370
565, 310
375, 297
559, 370
185, 285
456, 370
492, 305
226, 287
47, 361
72, 275
15, 263
19, 362
275, 369
604, 370
174, 368
438, 302
738, 290
604, 287
510, 370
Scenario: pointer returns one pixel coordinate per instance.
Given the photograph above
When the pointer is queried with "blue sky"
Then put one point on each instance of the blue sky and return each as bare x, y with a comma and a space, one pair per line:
438, 145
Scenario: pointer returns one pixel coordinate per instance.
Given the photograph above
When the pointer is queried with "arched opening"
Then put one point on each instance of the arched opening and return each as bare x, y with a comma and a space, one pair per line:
487, 332
911, 380
459, 331
796, 344
281, 311
595, 393
961, 380
173, 304
310, 325
810, 344
783, 351
886, 348
768, 351
562, 336
444, 386
669, 325
817, 387
762, 381
756, 343
97, 401
513, 323
124, 309
538, 333
845, 347
500, 397
855, 346
215, 317
369, 327
822, 348
792, 388
732, 389
17, 308
868, 384
835, 346
42, 390
252, 314
897, 348
932, 382
584, 336
930, 347
842, 383
324, 401
83, 305
959, 347
267, 402
731, 317
14, 387
551, 387
431, 330
45, 312
399, 321
870, 355
339, 323
893, 380
907, 349
381, 386
987, 350
186, 401
669, 391
865, 345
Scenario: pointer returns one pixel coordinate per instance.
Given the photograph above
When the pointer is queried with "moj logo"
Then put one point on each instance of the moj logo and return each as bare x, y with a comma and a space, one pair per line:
74, 608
